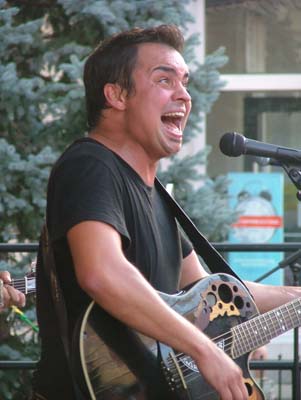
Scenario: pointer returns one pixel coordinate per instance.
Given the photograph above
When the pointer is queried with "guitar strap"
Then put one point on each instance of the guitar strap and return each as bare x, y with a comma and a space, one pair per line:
215, 262
58, 300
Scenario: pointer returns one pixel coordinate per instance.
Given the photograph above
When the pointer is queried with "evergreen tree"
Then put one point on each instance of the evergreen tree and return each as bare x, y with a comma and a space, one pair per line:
43, 46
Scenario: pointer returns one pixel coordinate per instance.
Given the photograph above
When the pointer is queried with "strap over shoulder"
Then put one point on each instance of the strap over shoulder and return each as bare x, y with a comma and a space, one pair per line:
215, 262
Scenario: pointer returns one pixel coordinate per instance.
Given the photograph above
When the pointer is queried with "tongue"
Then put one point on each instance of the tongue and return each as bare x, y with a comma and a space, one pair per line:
170, 122
171, 126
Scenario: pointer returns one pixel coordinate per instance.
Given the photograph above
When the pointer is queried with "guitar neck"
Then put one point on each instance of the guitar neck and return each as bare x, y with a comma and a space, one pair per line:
26, 285
258, 331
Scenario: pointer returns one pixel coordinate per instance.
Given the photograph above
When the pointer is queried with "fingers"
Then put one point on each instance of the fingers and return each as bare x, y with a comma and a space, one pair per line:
224, 375
5, 276
10, 296
15, 296
231, 390
234, 388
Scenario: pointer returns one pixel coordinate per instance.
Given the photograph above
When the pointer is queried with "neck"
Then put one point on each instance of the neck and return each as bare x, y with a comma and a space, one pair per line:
138, 160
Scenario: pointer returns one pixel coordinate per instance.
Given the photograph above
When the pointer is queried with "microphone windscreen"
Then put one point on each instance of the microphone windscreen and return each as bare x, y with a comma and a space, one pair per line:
232, 144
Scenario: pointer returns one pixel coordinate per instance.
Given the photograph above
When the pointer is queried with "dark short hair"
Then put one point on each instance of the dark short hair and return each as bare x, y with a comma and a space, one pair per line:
114, 60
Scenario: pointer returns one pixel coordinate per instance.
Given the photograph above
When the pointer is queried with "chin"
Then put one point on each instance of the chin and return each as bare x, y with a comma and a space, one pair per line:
173, 151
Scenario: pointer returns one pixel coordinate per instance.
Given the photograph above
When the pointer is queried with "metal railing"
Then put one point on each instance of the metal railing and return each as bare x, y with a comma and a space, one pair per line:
279, 365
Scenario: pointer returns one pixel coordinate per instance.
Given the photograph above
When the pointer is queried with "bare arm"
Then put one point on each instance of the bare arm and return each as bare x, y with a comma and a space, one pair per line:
268, 297
106, 275
192, 270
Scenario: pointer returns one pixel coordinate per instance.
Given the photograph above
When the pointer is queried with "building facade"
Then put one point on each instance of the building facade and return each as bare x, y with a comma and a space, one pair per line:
261, 98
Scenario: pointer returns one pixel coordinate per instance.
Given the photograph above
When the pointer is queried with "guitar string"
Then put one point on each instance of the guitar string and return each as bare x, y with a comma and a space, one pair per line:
230, 340
21, 285
269, 315
28, 286
22, 280
191, 375
227, 347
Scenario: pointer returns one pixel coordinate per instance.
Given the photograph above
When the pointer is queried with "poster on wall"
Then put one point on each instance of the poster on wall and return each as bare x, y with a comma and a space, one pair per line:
258, 200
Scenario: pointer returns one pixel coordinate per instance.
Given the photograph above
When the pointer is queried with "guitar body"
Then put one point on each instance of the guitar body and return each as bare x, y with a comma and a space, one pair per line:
113, 362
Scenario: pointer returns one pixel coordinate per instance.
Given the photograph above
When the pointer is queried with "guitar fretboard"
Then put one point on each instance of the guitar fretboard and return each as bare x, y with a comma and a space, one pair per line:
260, 330
25, 285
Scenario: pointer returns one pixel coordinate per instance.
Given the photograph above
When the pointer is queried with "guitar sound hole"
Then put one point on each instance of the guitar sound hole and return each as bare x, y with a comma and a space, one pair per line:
238, 301
225, 293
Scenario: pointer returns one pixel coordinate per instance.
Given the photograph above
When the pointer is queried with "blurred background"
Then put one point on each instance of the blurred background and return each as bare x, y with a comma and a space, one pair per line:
245, 58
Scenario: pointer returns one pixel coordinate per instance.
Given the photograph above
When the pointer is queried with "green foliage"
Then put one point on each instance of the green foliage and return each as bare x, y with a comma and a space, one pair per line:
20, 345
22, 191
43, 46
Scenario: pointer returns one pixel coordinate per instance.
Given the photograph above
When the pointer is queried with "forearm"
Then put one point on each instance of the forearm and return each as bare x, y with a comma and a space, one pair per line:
115, 284
268, 297
130, 298
191, 270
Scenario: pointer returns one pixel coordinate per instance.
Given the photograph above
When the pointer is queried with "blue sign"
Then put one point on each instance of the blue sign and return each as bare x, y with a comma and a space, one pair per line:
258, 200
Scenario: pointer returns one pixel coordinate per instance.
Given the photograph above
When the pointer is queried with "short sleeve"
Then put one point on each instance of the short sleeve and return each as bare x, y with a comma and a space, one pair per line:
84, 189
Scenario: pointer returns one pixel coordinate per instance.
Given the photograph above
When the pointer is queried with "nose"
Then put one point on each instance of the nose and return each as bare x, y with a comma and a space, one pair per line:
181, 93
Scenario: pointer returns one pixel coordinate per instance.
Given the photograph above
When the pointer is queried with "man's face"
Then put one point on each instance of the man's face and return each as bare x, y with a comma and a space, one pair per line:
158, 108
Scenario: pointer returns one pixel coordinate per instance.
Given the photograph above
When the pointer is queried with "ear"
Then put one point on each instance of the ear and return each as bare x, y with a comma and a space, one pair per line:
115, 96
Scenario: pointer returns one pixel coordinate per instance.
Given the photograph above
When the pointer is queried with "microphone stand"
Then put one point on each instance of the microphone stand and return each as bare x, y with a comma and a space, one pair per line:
294, 174
290, 261
296, 372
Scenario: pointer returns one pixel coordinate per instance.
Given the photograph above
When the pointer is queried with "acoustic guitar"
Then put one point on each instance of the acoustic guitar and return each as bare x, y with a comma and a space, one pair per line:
114, 362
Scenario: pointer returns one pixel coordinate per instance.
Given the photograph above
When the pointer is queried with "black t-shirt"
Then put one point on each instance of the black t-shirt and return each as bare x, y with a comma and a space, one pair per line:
90, 182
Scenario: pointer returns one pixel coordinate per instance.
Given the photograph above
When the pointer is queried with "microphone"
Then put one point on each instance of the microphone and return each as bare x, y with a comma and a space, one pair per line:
233, 144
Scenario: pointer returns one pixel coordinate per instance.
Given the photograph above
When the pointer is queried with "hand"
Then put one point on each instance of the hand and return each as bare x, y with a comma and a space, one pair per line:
221, 372
8, 295
260, 354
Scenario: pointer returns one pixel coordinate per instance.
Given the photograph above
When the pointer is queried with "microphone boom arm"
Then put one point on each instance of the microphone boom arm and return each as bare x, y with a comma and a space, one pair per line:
294, 175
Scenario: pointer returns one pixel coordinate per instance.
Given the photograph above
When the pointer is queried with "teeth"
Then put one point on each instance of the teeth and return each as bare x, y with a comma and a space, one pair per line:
175, 114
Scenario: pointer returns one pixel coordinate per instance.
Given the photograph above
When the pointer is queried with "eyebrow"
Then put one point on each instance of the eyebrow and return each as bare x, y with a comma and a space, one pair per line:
169, 69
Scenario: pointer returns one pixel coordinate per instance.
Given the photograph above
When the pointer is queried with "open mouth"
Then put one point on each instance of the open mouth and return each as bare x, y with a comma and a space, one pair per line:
173, 121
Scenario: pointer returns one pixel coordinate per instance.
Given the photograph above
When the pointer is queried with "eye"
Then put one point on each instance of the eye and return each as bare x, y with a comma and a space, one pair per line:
165, 80
185, 83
